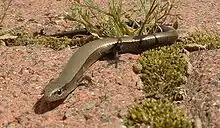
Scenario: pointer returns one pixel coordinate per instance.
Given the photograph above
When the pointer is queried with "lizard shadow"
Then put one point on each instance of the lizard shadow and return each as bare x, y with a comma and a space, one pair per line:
42, 106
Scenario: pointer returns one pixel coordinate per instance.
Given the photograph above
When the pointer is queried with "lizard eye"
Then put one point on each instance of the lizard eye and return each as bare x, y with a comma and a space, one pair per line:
59, 92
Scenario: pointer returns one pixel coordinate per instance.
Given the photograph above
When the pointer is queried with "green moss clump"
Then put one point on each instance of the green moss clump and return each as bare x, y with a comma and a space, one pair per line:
203, 38
158, 114
51, 42
163, 71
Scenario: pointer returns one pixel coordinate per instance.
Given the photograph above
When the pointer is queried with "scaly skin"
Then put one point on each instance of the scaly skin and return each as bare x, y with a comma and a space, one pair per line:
89, 53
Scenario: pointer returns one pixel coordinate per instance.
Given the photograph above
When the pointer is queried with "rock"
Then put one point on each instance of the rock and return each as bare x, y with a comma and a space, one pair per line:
194, 47
137, 68
189, 65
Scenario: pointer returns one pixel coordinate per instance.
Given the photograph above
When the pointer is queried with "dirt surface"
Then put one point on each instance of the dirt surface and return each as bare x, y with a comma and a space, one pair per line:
203, 100
25, 71
199, 14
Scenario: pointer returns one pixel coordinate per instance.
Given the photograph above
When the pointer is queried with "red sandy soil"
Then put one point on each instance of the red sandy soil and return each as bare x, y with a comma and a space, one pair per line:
26, 70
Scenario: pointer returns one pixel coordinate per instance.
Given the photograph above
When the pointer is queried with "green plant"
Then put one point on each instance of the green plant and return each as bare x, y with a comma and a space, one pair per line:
111, 21
163, 71
212, 41
157, 114
55, 43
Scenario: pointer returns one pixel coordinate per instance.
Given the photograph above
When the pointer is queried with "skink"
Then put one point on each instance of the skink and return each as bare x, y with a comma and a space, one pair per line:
89, 53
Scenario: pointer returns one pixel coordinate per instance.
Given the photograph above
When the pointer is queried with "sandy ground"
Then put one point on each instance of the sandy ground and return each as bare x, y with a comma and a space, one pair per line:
204, 87
25, 71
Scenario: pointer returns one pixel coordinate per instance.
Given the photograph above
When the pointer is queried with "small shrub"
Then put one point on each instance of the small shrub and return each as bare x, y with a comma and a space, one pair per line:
111, 20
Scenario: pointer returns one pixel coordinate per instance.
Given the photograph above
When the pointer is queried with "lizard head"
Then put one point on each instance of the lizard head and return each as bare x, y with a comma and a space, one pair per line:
54, 91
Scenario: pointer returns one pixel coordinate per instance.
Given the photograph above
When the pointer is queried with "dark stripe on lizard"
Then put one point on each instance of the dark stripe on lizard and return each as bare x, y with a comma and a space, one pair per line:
89, 53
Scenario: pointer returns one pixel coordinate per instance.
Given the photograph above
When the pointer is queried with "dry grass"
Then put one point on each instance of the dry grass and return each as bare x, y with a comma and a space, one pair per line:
113, 21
